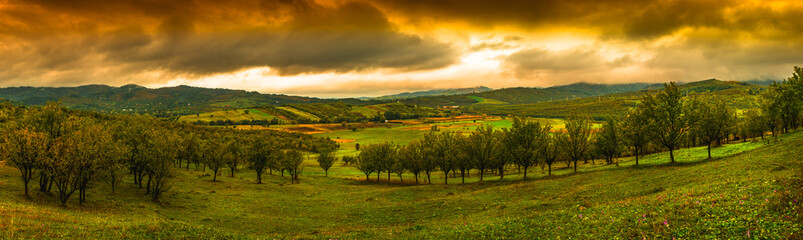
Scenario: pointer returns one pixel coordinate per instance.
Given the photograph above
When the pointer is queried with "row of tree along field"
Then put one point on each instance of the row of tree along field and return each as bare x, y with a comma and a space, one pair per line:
69, 151
663, 121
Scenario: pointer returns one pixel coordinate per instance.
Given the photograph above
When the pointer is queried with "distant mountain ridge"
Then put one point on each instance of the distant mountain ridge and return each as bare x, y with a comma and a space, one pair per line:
166, 101
434, 92
186, 100
523, 95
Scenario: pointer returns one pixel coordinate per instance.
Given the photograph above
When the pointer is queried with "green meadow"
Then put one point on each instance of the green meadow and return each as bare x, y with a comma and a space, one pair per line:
734, 195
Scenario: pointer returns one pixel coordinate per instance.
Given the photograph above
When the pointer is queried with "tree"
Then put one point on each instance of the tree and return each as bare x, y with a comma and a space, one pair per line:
444, 152
463, 162
550, 148
292, 162
636, 131
234, 152
522, 142
161, 156
114, 168
412, 157
712, 122
50, 119
575, 142
215, 156
189, 150
483, 148
365, 163
668, 117
754, 121
609, 140
260, 155
429, 163
24, 149
326, 159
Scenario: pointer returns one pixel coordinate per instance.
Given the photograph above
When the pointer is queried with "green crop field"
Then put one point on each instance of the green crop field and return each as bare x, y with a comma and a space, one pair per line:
234, 115
725, 197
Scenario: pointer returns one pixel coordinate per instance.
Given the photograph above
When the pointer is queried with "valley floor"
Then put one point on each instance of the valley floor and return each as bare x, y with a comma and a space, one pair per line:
731, 196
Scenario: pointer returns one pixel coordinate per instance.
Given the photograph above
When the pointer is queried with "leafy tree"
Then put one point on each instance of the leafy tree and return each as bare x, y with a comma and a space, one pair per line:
463, 162
668, 117
429, 163
348, 160
754, 123
483, 148
215, 156
292, 163
412, 157
326, 159
550, 148
522, 142
636, 131
609, 140
234, 154
712, 122
114, 168
189, 150
260, 154
25, 150
365, 163
575, 143
444, 152
161, 156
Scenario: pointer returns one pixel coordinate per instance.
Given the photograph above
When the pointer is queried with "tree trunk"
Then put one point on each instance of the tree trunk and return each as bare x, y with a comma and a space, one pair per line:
429, 179
575, 165
214, 176
326, 172
671, 155
481, 173
416, 179
637, 157
445, 177
463, 175
549, 165
709, 150
502, 172
525, 172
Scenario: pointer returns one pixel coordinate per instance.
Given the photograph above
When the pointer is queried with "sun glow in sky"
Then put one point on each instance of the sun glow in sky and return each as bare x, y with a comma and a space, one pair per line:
347, 48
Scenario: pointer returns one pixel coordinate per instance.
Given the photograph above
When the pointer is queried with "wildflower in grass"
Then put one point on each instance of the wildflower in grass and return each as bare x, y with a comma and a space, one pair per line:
666, 223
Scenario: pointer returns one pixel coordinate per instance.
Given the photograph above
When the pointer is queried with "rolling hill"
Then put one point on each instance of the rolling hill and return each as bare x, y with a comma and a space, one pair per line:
435, 92
521, 95
738, 95
168, 101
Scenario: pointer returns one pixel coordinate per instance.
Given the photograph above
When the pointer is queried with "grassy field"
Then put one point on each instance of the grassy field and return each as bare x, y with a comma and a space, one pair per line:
403, 134
730, 196
234, 115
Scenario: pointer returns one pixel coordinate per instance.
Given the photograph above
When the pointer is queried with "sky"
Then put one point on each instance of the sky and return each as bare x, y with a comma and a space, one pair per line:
349, 48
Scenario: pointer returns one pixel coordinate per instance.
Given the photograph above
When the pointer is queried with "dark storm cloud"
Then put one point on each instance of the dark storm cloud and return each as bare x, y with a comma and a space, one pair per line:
632, 19
198, 38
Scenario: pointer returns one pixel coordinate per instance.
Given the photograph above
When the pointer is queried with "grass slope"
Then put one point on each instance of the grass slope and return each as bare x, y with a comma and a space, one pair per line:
720, 198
